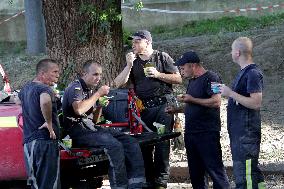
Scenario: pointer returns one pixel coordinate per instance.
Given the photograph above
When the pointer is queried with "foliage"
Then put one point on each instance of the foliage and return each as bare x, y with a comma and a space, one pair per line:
138, 6
11, 2
14, 48
126, 34
215, 26
99, 18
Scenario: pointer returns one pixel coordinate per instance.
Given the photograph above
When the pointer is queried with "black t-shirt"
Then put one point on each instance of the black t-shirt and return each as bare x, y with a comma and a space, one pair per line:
76, 91
146, 87
32, 115
201, 118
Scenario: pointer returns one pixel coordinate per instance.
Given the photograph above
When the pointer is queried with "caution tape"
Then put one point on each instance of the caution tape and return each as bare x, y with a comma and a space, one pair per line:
14, 16
237, 10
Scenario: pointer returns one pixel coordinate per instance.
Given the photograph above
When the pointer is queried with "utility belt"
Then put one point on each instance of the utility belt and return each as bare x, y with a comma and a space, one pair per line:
154, 102
85, 122
73, 121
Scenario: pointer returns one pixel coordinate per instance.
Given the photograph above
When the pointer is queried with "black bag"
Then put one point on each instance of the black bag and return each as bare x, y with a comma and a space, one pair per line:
117, 109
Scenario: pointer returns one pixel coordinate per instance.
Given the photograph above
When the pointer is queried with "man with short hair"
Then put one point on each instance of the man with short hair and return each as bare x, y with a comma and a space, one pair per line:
41, 127
152, 73
202, 124
243, 116
80, 111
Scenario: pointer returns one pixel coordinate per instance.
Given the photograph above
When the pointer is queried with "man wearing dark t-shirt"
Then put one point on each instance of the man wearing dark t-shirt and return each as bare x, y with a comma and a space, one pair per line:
41, 127
152, 73
81, 110
243, 116
202, 124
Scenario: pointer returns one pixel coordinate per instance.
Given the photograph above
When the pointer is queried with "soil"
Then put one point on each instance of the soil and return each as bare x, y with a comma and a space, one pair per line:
214, 51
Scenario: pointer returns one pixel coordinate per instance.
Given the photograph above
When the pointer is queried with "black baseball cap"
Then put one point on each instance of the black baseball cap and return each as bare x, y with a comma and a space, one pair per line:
141, 34
188, 57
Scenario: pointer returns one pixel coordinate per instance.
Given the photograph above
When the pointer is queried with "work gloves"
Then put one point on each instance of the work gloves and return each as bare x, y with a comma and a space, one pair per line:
178, 142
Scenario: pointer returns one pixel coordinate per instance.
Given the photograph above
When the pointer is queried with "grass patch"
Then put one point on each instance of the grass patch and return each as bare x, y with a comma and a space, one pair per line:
221, 25
14, 48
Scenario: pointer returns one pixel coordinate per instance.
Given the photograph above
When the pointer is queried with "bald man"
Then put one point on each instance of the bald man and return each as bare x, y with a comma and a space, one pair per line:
243, 116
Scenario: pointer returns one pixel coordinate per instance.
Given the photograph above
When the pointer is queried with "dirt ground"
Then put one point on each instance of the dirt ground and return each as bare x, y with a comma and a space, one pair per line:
269, 54
215, 50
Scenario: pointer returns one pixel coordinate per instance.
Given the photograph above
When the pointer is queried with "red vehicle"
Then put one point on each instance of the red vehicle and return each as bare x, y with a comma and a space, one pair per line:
79, 167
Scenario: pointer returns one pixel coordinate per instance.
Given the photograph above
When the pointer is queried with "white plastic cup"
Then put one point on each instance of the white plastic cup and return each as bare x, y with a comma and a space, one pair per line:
146, 69
67, 142
160, 128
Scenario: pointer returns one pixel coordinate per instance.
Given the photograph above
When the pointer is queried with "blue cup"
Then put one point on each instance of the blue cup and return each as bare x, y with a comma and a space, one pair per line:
215, 87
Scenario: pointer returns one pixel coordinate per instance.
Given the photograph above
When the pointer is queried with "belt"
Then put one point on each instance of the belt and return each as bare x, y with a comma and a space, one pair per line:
154, 102
73, 119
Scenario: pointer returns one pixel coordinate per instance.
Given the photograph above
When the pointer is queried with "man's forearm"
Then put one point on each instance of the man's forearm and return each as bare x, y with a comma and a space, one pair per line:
170, 78
83, 106
46, 107
252, 102
213, 102
122, 78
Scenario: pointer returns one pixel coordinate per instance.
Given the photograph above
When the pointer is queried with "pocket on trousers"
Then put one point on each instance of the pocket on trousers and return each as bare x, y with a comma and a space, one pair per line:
250, 149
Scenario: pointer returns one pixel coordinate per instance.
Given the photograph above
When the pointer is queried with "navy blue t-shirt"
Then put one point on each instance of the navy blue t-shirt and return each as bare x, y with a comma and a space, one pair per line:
249, 80
76, 91
201, 118
240, 118
32, 115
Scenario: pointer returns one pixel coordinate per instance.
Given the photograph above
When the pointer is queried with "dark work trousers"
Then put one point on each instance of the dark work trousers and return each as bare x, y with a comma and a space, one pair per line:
204, 157
123, 151
244, 128
157, 164
42, 164
245, 154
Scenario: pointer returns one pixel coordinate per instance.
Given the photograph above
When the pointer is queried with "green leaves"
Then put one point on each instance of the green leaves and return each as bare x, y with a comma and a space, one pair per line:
138, 6
99, 18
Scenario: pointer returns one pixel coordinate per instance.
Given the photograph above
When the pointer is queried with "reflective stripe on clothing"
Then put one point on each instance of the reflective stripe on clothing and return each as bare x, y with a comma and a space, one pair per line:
42, 164
30, 160
136, 180
248, 174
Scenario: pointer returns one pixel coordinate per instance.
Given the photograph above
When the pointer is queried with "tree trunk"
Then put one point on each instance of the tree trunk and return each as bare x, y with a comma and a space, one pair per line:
63, 21
35, 28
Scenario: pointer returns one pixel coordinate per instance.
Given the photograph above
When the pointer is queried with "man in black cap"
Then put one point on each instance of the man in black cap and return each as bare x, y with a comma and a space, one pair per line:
202, 124
152, 73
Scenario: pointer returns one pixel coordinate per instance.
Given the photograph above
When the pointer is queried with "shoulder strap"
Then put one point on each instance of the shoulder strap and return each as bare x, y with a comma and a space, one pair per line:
159, 61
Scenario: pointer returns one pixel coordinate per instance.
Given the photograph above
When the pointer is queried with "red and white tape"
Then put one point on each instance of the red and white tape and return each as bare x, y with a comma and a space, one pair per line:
7, 88
14, 16
237, 10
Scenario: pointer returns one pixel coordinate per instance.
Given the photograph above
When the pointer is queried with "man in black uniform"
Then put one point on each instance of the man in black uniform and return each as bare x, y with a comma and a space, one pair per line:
80, 113
152, 72
202, 124
244, 120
